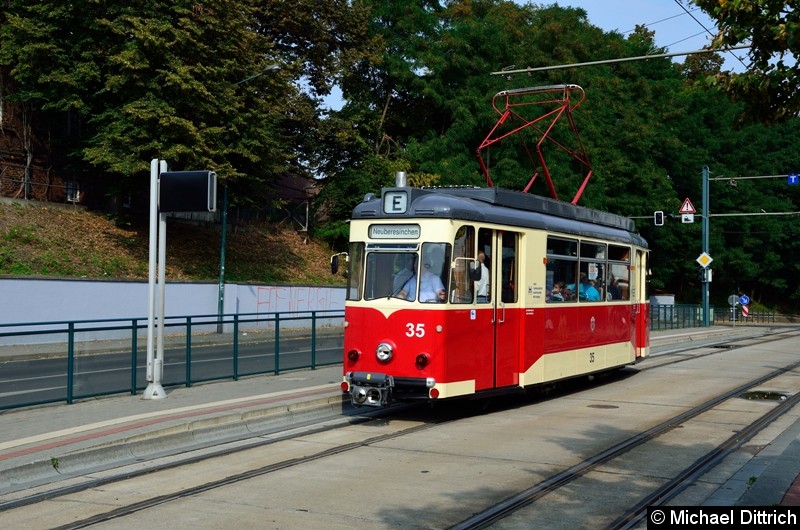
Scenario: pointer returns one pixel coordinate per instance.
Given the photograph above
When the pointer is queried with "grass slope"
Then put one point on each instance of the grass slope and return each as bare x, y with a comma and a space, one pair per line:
46, 240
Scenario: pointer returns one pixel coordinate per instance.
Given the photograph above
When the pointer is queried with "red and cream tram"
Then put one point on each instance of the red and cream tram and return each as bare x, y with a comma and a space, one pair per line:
565, 294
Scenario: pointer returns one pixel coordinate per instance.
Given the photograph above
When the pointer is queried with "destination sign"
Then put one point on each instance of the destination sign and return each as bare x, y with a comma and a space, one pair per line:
394, 231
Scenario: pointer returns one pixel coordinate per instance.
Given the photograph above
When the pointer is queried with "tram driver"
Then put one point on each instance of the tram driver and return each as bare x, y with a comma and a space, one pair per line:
431, 287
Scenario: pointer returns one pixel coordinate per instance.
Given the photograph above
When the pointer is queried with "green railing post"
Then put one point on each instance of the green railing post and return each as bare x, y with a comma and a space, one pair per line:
313, 340
70, 360
134, 347
236, 347
188, 352
277, 343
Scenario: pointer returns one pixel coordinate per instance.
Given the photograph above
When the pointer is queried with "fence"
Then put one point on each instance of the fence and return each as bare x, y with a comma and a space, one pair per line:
80, 359
735, 315
676, 316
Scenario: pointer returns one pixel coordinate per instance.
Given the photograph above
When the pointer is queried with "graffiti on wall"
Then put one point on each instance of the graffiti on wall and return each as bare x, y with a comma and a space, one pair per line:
273, 299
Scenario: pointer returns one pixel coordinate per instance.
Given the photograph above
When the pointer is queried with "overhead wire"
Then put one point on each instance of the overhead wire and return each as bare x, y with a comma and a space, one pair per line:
688, 12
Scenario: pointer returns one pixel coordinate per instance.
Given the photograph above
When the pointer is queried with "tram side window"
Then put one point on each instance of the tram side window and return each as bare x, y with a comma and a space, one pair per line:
562, 266
463, 255
592, 276
355, 274
619, 265
508, 291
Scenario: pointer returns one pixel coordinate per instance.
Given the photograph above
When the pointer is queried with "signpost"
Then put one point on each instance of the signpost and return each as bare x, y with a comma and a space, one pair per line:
687, 211
733, 300
744, 299
177, 191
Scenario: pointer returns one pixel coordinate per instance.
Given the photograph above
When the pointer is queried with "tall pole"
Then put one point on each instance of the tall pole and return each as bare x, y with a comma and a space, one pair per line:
706, 215
221, 299
152, 253
155, 310
224, 220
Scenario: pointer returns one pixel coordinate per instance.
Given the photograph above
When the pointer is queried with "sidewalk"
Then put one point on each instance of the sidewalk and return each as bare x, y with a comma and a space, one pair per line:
41, 443
38, 444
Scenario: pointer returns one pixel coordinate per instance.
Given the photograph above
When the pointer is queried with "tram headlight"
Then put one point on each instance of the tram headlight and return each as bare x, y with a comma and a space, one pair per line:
384, 352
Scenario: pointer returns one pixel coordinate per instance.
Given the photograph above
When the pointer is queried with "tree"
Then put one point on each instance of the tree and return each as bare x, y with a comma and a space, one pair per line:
143, 81
772, 28
180, 81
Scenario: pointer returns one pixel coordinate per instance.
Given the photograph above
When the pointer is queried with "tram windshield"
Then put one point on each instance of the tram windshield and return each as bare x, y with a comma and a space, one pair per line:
400, 273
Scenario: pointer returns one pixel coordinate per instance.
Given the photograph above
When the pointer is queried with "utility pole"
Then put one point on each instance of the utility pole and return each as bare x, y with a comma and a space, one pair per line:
706, 215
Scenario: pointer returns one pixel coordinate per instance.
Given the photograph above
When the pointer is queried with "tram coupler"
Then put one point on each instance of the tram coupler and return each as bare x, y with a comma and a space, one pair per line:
370, 389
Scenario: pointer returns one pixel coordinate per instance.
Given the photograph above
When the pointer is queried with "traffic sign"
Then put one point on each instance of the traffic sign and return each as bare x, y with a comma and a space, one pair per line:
687, 207
745, 311
744, 299
704, 260
792, 178
732, 300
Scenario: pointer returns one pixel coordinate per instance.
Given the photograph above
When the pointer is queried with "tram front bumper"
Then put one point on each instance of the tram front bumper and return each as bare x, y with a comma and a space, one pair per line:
371, 389
379, 390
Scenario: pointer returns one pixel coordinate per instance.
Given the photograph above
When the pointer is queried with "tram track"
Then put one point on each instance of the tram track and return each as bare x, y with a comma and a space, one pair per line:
671, 488
219, 450
239, 477
716, 346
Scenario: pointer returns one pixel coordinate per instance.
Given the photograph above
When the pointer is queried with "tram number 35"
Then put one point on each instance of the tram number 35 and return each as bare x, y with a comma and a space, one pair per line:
415, 330
591, 357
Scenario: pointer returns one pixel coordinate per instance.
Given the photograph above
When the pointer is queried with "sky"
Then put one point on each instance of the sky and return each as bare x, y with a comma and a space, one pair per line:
675, 29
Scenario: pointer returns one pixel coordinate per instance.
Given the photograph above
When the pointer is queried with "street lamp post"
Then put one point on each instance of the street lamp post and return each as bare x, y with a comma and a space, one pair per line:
224, 221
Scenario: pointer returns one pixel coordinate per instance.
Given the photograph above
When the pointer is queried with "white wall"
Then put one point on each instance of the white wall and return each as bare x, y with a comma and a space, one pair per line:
44, 300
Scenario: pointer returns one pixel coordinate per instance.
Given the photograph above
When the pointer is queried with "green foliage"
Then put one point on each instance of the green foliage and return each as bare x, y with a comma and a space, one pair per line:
772, 30
181, 81
147, 79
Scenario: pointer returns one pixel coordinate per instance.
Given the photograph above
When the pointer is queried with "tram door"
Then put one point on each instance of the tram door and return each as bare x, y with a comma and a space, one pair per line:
502, 253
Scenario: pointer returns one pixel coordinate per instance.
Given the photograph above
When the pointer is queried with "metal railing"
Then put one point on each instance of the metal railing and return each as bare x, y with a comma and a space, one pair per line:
47, 362
734, 315
676, 316
690, 316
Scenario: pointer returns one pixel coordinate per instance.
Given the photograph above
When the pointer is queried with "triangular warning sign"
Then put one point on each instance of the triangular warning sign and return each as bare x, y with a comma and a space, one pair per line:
687, 207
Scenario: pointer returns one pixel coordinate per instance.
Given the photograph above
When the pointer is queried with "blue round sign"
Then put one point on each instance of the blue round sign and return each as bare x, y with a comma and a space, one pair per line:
744, 299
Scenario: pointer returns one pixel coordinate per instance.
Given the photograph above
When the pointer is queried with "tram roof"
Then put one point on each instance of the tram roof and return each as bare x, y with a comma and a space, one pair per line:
507, 207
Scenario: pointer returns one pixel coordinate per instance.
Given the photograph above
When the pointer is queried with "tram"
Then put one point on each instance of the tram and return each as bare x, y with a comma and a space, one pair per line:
456, 292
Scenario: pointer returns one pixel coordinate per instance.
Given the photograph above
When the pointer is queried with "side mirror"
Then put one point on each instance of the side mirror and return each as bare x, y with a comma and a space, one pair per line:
335, 262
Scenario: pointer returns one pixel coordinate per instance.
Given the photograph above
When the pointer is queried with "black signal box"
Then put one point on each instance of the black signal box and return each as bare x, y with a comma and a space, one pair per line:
187, 191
